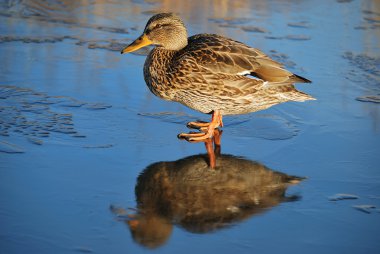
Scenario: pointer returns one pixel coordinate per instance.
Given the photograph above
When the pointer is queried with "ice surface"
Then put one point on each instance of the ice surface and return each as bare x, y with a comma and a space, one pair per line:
78, 126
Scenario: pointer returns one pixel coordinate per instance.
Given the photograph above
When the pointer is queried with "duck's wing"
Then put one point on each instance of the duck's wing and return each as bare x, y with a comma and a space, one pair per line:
221, 55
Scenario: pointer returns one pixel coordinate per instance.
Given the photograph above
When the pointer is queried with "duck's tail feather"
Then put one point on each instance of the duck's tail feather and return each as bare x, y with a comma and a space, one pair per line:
278, 74
286, 92
298, 79
295, 96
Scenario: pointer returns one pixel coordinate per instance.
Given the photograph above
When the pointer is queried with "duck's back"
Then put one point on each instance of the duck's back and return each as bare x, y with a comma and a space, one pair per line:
217, 54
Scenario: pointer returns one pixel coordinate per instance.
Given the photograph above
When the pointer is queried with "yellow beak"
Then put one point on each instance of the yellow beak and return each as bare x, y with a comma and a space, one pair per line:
140, 42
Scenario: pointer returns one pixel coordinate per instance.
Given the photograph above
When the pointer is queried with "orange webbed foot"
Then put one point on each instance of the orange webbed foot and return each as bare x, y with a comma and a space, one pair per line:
207, 129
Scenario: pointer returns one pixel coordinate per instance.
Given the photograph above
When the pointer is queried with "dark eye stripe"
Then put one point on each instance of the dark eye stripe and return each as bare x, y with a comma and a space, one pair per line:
160, 26
157, 26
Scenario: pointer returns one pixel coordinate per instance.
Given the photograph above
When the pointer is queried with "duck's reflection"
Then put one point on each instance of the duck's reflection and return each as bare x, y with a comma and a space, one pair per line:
189, 194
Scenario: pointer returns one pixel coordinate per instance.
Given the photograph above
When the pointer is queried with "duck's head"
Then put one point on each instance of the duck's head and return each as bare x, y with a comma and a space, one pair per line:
165, 30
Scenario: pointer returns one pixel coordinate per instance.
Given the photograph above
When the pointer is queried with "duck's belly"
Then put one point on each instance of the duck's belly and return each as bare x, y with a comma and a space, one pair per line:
226, 105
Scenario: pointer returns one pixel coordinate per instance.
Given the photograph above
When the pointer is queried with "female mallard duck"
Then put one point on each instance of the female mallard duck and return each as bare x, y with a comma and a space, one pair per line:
211, 74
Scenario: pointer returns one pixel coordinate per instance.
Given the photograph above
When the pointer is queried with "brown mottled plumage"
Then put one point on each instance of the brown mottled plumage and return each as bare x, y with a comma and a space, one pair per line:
212, 74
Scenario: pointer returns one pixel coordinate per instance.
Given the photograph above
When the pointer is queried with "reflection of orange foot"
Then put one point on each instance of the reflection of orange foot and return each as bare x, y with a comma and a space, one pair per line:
207, 129
213, 152
217, 141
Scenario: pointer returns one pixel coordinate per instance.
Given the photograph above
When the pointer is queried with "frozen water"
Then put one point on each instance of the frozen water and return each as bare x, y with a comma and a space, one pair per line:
78, 126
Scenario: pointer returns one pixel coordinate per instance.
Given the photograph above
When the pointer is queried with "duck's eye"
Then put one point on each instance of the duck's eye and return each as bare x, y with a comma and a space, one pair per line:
158, 26
155, 27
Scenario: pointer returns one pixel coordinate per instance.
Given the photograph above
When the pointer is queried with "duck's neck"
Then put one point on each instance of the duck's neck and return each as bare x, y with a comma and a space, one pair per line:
175, 44
177, 39
157, 69
159, 59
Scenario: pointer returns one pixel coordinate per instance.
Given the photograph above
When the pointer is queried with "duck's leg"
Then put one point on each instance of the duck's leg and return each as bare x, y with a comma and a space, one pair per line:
207, 130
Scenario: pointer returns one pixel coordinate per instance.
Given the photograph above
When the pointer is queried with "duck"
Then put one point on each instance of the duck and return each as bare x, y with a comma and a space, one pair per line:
211, 74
